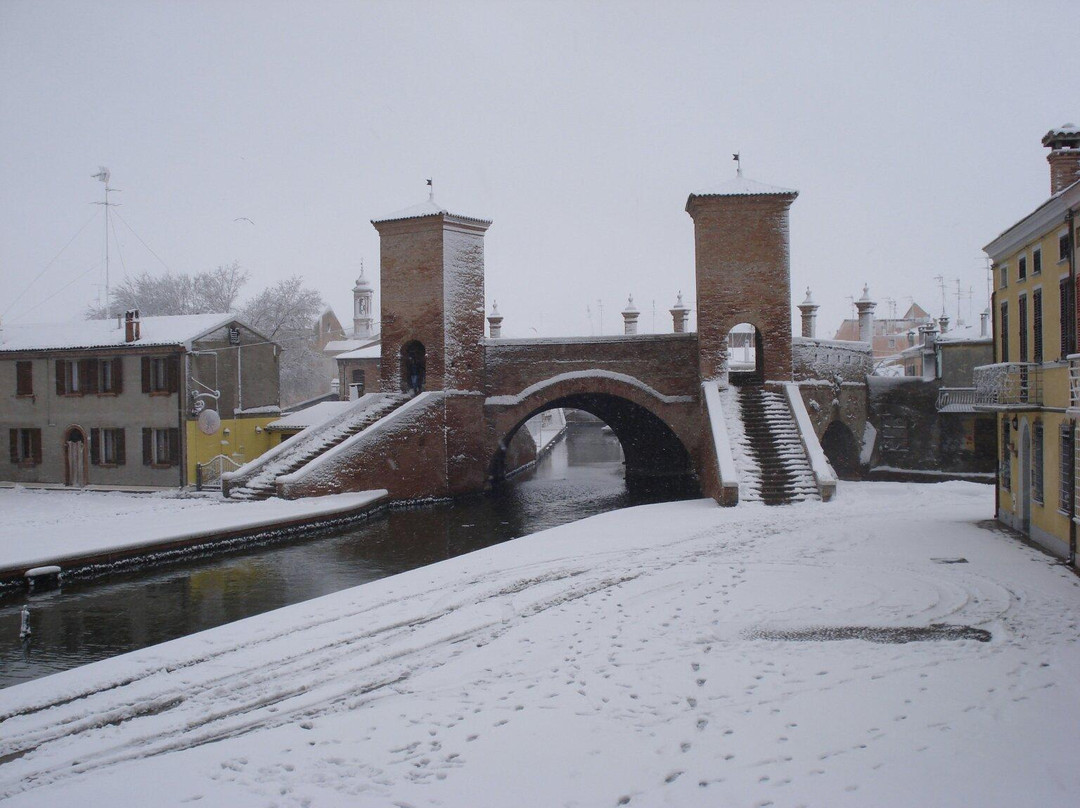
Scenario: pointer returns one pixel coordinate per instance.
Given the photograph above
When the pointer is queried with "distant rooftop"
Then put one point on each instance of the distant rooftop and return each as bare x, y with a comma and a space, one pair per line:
424, 209
742, 186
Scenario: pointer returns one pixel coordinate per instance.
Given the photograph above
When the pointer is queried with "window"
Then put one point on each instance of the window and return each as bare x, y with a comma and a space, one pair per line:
1021, 267
1036, 326
1004, 332
1023, 326
895, 434
111, 376
107, 447
1004, 275
1067, 468
1036, 261
1037, 461
160, 375
1005, 469
161, 447
25, 445
76, 377
24, 379
1063, 247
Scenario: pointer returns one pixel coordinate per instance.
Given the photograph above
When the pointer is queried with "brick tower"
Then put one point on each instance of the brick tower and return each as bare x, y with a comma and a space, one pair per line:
743, 271
432, 282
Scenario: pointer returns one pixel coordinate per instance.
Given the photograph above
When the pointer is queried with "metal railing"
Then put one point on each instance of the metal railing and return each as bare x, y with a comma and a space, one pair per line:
1074, 381
957, 399
208, 474
1008, 385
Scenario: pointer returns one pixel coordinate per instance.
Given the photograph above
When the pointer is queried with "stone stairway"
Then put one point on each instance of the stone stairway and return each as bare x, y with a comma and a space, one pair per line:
261, 484
771, 438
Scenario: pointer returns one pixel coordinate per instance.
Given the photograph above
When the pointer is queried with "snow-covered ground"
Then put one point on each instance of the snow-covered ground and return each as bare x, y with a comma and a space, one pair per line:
40, 526
631, 658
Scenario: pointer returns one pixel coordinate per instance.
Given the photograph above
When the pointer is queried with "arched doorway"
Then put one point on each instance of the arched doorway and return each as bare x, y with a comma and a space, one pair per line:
413, 366
842, 450
657, 463
75, 457
746, 354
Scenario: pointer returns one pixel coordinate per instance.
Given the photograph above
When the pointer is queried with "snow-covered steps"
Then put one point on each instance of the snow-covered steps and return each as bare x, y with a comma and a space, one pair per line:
258, 479
769, 453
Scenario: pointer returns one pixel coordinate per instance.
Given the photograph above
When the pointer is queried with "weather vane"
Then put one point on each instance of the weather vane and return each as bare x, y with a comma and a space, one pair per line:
738, 164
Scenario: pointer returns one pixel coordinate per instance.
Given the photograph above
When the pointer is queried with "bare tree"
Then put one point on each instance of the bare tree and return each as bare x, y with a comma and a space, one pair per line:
286, 313
211, 292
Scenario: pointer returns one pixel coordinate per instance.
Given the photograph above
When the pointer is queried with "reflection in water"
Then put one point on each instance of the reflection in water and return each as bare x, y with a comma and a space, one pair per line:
97, 619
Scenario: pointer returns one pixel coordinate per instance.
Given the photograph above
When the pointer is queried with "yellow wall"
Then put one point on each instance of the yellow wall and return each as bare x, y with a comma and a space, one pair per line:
242, 443
1052, 272
1045, 516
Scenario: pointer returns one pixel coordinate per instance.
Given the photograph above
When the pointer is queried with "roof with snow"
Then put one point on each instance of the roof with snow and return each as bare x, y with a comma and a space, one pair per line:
178, 330
310, 416
367, 352
966, 333
741, 186
424, 209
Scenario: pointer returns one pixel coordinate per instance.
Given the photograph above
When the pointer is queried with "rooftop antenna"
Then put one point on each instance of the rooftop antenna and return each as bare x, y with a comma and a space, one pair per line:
738, 164
600, 306
103, 175
892, 307
941, 285
851, 299
431, 189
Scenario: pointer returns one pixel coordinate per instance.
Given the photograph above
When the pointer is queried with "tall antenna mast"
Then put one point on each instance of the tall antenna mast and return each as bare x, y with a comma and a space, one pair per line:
103, 175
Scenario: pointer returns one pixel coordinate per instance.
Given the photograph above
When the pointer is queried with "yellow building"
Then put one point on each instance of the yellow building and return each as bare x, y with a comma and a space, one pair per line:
1035, 357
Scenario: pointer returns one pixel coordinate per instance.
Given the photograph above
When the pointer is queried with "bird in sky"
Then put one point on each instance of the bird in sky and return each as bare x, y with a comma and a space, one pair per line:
243, 219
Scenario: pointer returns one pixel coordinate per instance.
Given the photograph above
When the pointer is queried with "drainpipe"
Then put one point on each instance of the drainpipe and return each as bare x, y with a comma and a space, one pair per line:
1070, 345
995, 329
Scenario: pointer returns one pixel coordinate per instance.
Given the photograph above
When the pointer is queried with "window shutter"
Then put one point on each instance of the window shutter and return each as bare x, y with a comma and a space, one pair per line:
121, 451
147, 444
35, 444
146, 374
88, 376
24, 379
95, 447
61, 376
118, 374
173, 370
13, 435
174, 446
1036, 325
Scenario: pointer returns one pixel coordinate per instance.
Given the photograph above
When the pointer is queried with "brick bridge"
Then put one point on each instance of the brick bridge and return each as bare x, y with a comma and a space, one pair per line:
465, 395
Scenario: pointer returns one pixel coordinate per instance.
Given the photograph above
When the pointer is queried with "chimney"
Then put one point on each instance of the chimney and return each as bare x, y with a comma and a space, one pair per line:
943, 321
679, 315
984, 320
132, 326
630, 316
1064, 157
809, 315
495, 321
866, 308
928, 333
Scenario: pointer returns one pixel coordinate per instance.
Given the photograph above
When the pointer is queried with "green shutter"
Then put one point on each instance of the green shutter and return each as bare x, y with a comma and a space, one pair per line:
95, 447
147, 445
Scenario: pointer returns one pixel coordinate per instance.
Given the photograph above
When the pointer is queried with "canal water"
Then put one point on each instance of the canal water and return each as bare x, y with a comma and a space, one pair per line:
103, 617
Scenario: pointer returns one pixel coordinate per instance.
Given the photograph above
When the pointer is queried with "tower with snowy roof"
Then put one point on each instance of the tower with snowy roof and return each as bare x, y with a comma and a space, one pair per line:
363, 307
742, 262
432, 288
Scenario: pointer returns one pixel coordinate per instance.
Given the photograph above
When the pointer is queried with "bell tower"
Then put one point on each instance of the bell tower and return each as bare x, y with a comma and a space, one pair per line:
363, 307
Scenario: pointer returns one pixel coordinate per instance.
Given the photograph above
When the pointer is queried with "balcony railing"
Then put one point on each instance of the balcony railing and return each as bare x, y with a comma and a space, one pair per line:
1008, 386
1074, 382
956, 399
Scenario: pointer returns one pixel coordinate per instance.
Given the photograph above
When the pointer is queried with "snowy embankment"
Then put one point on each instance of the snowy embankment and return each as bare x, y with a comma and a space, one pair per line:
669, 654
42, 527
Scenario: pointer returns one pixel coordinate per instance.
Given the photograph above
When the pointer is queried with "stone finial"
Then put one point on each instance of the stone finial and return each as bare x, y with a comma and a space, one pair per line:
680, 313
630, 316
984, 323
495, 321
809, 315
866, 308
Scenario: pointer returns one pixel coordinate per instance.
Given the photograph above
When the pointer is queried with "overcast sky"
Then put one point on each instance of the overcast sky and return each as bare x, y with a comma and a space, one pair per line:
911, 131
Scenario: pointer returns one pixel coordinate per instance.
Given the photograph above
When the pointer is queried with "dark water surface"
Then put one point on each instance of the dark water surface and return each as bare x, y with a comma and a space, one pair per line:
92, 620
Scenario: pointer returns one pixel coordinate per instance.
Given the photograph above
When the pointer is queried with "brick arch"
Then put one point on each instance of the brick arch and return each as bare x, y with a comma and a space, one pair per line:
760, 348
654, 430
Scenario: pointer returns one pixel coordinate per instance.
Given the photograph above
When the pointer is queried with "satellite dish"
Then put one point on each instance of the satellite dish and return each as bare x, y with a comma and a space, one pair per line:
209, 422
